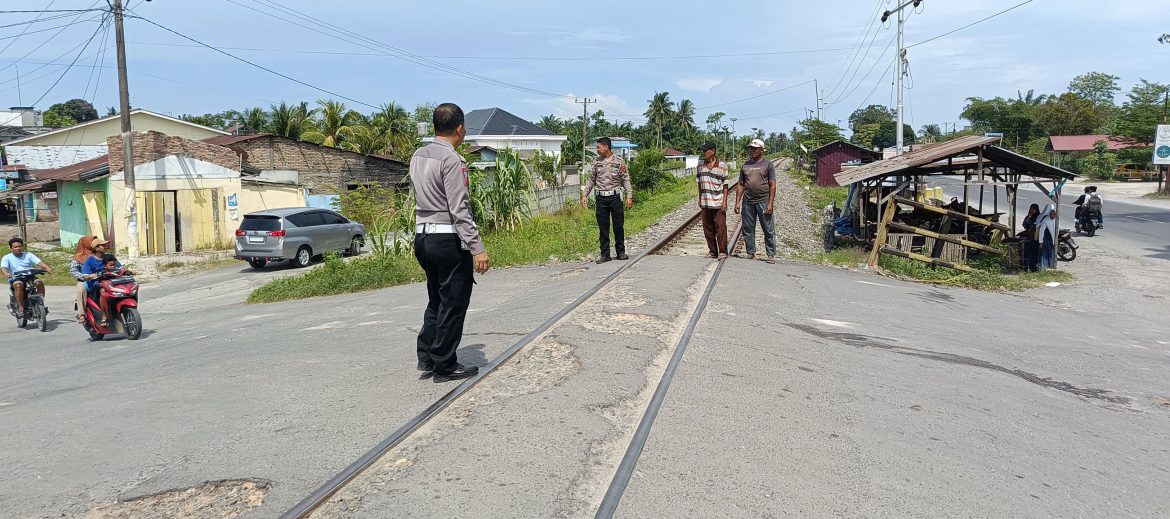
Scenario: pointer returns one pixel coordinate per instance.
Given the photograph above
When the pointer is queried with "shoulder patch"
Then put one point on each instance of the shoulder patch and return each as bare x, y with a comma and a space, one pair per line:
466, 180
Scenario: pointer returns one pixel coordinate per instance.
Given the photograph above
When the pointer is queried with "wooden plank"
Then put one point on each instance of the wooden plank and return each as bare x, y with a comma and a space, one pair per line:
945, 237
883, 231
954, 214
927, 259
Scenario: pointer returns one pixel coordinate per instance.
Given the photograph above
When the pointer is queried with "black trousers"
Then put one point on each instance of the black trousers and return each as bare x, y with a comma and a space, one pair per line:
449, 281
610, 207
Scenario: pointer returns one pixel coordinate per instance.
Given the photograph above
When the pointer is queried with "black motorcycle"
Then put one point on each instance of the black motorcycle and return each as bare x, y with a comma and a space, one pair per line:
34, 303
1088, 222
1066, 247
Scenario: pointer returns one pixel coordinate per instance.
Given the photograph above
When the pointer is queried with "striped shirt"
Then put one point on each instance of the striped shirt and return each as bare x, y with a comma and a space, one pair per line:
712, 182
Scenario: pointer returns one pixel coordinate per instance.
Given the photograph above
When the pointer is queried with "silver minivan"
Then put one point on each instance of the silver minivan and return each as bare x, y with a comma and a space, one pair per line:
298, 234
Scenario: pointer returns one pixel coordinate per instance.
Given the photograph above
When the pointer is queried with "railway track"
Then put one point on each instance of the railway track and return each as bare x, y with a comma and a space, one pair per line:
685, 240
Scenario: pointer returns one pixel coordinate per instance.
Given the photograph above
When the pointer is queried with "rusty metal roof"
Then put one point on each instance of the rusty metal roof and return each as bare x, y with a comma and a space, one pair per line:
928, 161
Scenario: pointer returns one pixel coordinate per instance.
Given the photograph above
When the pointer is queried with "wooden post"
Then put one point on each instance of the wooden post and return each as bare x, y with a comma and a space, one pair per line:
883, 231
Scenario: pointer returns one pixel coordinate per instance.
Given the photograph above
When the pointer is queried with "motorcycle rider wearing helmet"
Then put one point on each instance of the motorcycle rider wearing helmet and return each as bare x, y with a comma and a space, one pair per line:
17, 261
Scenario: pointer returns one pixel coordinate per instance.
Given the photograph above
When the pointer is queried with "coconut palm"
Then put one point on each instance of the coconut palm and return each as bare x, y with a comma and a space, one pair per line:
660, 111
333, 124
397, 128
365, 139
551, 123
288, 120
686, 115
254, 118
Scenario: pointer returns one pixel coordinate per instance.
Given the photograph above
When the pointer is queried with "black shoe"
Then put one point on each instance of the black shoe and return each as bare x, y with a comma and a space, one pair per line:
604, 259
623, 256
426, 366
459, 372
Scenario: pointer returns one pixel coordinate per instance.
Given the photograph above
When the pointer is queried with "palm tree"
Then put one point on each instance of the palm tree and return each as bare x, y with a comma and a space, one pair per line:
660, 111
686, 115
365, 139
1031, 99
397, 128
254, 118
288, 120
551, 123
334, 123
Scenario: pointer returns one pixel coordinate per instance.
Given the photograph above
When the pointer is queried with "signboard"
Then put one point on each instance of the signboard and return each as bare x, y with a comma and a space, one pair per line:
49, 195
1162, 144
13, 174
3, 184
232, 200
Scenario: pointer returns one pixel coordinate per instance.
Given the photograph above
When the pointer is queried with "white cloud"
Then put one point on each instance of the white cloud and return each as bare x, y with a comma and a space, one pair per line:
698, 84
762, 83
590, 38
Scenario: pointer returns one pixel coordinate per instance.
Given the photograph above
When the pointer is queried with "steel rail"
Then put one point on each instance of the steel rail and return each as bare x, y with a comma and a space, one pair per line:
322, 494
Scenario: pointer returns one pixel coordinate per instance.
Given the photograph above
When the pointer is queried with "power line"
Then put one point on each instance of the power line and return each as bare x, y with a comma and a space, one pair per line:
770, 115
856, 51
36, 20
875, 85
981, 20
261, 67
396, 52
871, 68
513, 58
70, 67
755, 96
26, 32
90, 10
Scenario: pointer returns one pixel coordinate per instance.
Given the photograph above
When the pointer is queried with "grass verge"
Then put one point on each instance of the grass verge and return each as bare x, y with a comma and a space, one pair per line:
58, 259
568, 234
989, 278
817, 197
1157, 196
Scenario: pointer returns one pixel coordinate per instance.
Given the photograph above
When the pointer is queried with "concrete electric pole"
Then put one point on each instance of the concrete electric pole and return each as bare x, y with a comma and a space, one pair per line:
584, 133
900, 59
127, 141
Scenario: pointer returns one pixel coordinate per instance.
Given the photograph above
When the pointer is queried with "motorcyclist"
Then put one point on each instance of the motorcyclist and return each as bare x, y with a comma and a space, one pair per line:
18, 261
1089, 204
94, 269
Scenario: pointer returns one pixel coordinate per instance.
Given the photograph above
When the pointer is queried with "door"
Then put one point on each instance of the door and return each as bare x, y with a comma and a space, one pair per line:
338, 229
157, 232
95, 213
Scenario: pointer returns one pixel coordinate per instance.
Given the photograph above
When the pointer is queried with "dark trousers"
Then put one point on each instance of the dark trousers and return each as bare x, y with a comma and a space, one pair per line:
1031, 255
750, 213
610, 207
715, 229
449, 280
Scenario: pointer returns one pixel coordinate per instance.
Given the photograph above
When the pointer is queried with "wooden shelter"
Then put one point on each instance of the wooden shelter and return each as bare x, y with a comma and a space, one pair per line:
885, 185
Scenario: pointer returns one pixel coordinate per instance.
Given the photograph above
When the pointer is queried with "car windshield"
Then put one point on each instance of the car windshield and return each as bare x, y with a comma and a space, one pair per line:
260, 223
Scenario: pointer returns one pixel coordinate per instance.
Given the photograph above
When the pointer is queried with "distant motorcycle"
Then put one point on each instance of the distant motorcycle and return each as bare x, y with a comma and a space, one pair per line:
1066, 247
1088, 222
34, 303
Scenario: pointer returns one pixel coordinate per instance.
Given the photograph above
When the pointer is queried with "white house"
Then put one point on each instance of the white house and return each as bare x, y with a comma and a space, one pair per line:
498, 129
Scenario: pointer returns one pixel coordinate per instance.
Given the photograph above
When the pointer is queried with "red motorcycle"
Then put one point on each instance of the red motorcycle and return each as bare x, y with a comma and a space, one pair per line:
120, 291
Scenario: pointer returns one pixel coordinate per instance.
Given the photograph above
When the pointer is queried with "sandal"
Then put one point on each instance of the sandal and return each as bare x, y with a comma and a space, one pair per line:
711, 255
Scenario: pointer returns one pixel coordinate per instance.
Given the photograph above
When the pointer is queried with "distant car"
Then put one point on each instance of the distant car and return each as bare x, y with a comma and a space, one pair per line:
298, 234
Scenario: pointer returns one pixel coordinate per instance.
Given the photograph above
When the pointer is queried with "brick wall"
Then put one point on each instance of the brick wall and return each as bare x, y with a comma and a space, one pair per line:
322, 169
150, 146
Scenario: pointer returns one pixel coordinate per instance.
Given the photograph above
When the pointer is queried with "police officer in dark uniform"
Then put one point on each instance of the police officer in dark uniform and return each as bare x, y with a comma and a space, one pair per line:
609, 174
446, 244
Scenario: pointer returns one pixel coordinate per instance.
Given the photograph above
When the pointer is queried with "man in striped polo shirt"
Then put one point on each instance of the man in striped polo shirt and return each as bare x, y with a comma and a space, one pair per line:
712, 178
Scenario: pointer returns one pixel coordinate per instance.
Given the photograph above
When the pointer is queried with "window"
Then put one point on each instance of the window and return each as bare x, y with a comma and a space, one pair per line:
307, 219
333, 218
260, 223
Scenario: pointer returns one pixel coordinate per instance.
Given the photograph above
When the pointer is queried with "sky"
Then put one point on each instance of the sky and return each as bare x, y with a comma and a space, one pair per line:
762, 62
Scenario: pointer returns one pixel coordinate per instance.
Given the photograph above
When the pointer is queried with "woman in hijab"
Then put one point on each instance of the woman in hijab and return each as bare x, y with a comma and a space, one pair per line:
1046, 236
1031, 245
84, 251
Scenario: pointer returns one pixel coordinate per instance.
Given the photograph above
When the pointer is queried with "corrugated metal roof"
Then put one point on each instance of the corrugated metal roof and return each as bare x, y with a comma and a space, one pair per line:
29, 187
1065, 143
73, 171
52, 157
876, 154
932, 158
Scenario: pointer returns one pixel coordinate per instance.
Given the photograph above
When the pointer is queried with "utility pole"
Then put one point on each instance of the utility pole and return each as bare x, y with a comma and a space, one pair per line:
584, 132
817, 94
127, 141
735, 149
900, 58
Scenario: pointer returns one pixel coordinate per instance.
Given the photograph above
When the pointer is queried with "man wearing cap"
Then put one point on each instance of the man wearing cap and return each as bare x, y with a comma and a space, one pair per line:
756, 193
609, 174
446, 244
711, 175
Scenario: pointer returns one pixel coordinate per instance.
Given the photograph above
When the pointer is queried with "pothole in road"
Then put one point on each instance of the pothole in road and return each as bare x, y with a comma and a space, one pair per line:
224, 499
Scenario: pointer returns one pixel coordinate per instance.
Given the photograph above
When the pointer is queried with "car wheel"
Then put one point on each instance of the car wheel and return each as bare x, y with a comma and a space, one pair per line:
304, 257
355, 246
257, 263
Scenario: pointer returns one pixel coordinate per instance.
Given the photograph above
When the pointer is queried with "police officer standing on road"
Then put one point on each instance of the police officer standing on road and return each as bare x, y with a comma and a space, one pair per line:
609, 173
446, 244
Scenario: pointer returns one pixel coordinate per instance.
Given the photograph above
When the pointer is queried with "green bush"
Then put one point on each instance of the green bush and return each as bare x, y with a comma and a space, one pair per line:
337, 276
649, 170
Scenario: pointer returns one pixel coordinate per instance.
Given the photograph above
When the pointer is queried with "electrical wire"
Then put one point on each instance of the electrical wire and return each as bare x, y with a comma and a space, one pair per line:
871, 68
769, 115
105, 20
37, 20
254, 64
981, 20
385, 48
38, 47
755, 96
875, 86
837, 82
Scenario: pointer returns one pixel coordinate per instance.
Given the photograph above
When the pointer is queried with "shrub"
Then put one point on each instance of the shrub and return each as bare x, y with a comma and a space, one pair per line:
649, 170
